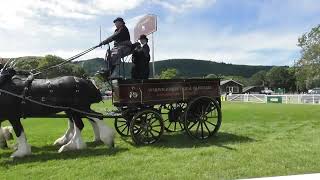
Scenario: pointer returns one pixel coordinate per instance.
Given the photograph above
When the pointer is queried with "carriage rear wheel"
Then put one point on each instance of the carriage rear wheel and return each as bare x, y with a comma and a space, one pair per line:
173, 116
146, 127
203, 117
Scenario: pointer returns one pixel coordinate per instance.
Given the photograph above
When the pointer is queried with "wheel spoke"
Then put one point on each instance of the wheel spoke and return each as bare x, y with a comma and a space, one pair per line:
212, 116
201, 130
207, 127
127, 130
180, 125
155, 137
207, 108
155, 131
155, 120
157, 125
122, 125
169, 125
124, 128
211, 123
138, 130
198, 127
122, 121
194, 123
211, 110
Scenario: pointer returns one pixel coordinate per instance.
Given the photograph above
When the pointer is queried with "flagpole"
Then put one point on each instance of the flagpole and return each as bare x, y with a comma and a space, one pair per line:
153, 68
100, 35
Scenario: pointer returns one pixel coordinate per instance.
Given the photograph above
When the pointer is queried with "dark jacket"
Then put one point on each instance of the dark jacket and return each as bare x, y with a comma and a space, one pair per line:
140, 60
119, 35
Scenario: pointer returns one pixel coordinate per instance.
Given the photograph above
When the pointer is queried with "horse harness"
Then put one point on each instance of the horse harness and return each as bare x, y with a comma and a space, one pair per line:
26, 93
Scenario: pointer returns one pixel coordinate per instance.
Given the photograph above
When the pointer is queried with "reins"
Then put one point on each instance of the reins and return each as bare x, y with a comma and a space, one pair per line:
41, 70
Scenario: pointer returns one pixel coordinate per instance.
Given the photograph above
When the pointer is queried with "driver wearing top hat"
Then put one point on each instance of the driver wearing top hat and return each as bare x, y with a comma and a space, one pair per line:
122, 47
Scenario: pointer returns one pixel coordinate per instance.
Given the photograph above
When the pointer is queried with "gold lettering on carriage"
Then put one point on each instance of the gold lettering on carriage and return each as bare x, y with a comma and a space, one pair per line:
175, 89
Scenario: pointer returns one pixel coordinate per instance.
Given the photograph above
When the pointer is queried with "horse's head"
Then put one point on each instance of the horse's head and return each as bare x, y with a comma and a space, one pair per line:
7, 72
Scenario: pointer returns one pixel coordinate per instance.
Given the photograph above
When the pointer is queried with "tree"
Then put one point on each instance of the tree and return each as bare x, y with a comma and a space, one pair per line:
168, 74
308, 66
280, 77
259, 78
68, 69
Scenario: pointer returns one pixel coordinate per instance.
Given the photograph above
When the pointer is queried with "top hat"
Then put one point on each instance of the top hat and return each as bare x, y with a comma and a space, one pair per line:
118, 19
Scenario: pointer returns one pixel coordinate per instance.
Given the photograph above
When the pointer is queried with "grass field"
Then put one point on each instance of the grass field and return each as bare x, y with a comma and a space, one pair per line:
255, 140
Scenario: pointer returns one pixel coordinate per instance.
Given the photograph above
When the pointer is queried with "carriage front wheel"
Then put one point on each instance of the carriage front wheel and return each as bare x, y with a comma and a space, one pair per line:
122, 126
146, 127
203, 117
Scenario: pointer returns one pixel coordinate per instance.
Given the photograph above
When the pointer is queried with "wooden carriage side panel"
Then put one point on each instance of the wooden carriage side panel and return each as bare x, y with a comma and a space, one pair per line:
163, 91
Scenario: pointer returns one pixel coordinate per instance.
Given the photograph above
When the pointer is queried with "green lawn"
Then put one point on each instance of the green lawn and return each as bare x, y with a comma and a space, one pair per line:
255, 140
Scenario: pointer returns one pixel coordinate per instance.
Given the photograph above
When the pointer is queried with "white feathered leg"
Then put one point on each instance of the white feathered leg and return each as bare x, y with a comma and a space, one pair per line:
67, 135
23, 147
106, 133
75, 143
95, 130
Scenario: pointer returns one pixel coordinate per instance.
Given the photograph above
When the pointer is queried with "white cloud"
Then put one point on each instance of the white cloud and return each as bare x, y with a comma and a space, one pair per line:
180, 6
257, 47
16, 13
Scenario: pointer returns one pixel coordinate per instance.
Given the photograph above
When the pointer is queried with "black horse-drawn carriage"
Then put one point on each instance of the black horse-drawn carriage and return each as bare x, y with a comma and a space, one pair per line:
145, 108
148, 107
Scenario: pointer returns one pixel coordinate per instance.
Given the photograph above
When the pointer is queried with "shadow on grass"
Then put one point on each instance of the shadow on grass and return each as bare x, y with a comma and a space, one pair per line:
183, 140
46, 153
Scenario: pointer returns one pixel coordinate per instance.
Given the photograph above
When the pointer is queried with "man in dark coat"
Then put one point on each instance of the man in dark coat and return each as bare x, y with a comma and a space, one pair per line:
122, 47
141, 59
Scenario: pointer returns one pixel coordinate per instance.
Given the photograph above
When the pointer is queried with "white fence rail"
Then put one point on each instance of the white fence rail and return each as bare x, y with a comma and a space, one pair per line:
285, 99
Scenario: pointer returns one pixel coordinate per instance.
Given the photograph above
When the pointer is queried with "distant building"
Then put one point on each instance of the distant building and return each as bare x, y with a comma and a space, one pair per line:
230, 86
253, 89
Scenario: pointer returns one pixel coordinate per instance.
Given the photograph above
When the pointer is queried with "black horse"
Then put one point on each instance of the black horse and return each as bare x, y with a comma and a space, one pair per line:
28, 97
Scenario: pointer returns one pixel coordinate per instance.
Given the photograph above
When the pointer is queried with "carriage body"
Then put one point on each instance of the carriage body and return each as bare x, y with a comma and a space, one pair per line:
151, 106
162, 91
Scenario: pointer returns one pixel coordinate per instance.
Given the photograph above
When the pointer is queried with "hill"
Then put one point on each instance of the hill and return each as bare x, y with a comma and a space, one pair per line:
186, 67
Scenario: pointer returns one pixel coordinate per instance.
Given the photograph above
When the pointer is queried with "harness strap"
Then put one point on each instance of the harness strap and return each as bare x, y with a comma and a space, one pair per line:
25, 93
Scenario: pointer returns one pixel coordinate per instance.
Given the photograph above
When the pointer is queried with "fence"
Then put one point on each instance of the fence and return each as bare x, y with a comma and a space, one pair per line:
285, 99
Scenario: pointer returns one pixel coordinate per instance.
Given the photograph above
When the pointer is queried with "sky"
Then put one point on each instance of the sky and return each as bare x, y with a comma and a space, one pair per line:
252, 32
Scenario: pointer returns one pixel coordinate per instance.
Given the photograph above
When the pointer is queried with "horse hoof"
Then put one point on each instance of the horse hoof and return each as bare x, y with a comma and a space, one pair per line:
72, 145
21, 153
62, 149
60, 141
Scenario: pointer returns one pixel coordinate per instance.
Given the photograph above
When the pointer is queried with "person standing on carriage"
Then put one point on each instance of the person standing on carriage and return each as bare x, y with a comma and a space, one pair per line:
122, 47
141, 59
